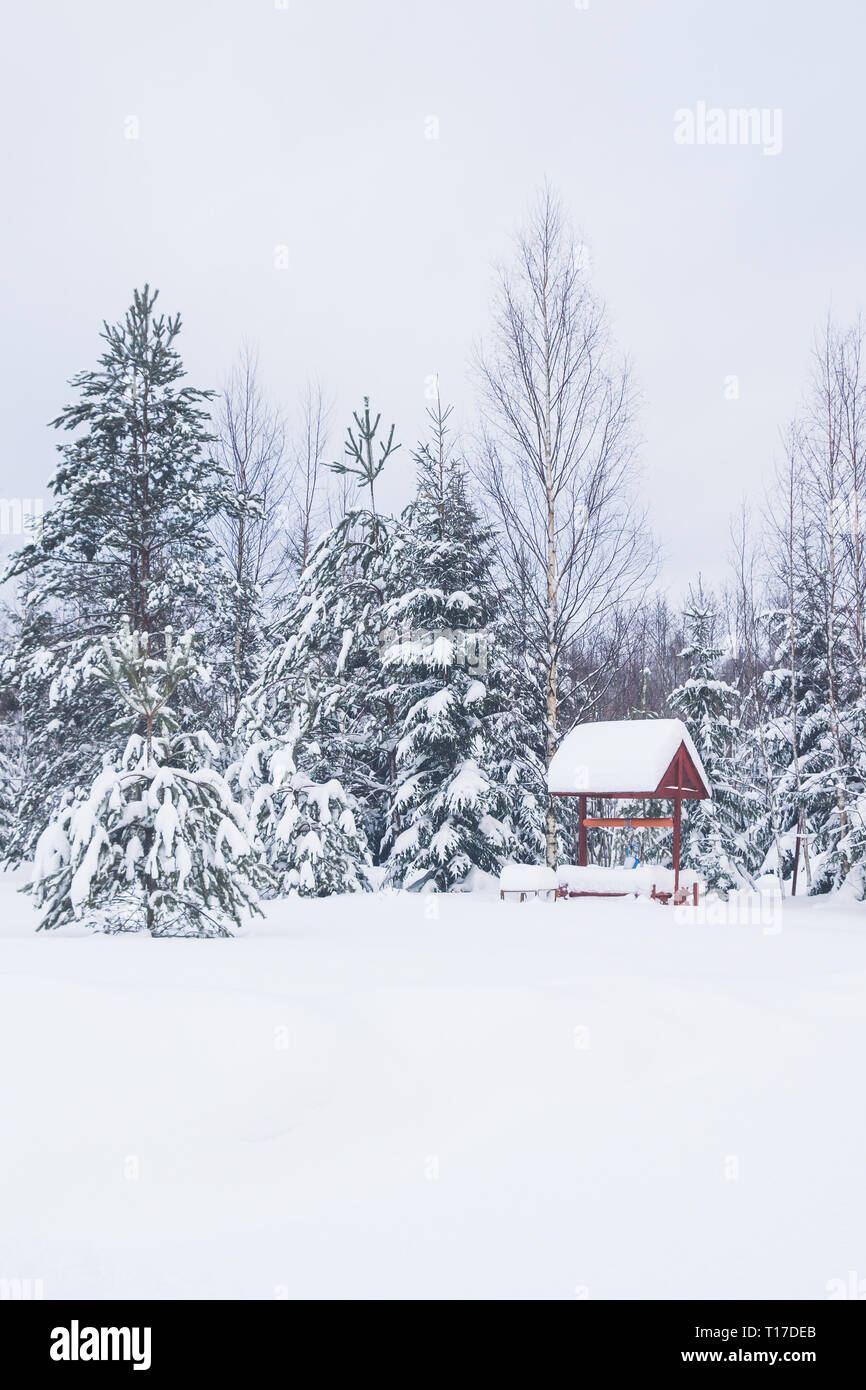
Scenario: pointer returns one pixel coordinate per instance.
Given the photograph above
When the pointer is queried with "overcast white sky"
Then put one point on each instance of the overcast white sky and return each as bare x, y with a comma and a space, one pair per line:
305, 126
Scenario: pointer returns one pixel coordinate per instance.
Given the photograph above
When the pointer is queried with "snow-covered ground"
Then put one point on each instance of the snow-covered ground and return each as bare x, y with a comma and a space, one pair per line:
360, 1098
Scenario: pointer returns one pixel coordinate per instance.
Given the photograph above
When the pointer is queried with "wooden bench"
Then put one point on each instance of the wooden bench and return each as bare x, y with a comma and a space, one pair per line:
527, 881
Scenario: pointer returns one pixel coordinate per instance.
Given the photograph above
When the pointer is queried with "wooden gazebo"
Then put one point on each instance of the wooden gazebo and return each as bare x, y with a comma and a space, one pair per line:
629, 760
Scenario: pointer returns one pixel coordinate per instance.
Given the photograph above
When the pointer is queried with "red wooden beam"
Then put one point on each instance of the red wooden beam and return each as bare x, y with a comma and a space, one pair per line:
642, 821
666, 795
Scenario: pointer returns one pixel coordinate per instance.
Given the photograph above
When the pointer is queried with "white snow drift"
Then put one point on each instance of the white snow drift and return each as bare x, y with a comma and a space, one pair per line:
400, 1095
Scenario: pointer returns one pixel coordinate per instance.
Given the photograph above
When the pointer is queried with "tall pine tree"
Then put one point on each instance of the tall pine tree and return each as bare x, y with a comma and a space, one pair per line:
320, 703
714, 841
128, 536
444, 692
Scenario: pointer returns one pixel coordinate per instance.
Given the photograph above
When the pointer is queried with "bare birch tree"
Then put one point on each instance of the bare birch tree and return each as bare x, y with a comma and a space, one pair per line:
309, 446
850, 382
785, 525
557, 461
251, 440
823, 449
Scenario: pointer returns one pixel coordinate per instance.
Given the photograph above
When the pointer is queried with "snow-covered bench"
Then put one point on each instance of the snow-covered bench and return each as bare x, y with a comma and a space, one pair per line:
646, 880
527, 881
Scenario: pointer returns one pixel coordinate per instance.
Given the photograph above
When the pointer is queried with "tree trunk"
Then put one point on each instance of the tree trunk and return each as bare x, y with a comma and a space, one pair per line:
551, 704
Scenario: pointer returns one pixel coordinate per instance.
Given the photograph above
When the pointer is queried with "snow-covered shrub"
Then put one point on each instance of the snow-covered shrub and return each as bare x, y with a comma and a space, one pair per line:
324, 676
155, 846
306, 829
158, 842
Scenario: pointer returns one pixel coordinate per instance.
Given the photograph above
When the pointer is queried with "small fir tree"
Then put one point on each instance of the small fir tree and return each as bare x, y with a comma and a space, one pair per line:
305, 826
158, 843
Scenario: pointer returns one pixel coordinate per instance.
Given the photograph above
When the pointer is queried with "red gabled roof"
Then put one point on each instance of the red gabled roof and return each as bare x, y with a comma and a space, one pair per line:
684, 776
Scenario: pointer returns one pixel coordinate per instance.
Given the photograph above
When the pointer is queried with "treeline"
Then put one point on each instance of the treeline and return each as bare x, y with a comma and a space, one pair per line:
228, 673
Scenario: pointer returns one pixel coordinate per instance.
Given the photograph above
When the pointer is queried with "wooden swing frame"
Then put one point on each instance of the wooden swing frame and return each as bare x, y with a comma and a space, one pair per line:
681, 782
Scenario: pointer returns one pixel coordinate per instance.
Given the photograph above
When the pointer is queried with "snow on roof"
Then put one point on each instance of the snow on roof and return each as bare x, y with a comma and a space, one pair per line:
619, 755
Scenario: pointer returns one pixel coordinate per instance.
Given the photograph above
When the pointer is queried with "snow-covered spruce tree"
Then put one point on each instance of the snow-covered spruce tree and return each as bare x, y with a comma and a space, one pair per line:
128, 535
514, 737
516, 730
324, 675
831, 562
305, 828
320, 702
816, 673
714, 841
804, 736
158, 843
444, 693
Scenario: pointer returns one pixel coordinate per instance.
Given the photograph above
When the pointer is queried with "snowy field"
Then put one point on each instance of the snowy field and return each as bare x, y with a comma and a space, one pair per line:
579, 1099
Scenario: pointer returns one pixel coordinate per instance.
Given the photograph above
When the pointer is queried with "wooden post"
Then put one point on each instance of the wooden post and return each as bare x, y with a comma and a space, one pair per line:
678, 806
581, 831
